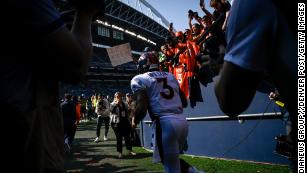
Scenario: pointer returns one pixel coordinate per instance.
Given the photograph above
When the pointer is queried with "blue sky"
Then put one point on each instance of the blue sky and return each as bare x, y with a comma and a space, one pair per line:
176, 11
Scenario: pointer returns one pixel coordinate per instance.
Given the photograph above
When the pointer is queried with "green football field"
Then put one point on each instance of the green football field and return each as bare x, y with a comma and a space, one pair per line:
90, 157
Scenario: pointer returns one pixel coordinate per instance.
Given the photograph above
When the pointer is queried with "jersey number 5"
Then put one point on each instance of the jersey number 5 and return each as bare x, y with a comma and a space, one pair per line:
166, 95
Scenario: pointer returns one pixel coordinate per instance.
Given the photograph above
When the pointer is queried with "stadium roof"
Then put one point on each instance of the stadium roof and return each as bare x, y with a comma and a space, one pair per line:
124, 15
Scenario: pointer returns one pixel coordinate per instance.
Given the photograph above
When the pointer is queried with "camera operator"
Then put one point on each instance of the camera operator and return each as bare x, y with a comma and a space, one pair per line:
193, 15
47, 54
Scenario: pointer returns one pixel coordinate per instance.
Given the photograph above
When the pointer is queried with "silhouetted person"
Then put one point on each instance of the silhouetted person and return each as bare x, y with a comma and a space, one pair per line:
38, 52
68, 108
256, 53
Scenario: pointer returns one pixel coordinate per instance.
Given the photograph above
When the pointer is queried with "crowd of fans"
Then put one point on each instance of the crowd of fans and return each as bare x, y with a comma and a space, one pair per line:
195, 54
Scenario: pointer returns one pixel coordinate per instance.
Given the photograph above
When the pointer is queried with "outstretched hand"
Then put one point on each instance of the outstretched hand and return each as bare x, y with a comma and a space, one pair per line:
202, 3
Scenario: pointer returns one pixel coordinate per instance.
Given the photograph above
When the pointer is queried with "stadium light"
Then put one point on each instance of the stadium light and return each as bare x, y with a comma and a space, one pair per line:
126, 31
103, 23
141, 37
106, 23
117, 27
145, 39
99, 21
129, 32
152, 42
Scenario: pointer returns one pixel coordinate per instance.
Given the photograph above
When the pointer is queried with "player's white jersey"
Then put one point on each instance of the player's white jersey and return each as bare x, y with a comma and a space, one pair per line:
163, 91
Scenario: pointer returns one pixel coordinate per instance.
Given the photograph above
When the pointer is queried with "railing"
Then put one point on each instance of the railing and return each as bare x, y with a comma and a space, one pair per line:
259, 116
273, 115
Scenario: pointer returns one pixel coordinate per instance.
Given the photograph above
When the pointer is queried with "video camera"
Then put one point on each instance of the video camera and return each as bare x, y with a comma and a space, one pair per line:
193, 14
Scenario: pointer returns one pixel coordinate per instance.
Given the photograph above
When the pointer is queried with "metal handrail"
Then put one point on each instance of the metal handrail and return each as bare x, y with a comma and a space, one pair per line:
272, 115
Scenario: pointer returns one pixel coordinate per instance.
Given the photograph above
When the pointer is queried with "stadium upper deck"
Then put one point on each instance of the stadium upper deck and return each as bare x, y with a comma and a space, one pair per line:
122, 24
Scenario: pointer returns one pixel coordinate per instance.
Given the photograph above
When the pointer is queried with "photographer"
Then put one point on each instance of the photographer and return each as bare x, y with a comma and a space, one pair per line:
191, 15
47, 54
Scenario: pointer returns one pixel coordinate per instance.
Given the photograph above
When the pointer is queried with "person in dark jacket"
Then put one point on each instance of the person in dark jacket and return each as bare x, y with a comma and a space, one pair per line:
68, 108
120, 124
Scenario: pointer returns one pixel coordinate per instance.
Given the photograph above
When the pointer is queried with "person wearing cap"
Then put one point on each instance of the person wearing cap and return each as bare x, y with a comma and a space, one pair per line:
158, 93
